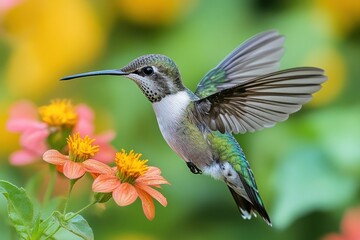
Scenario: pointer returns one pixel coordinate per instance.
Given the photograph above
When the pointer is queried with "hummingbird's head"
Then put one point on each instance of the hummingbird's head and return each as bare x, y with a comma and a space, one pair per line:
155, 74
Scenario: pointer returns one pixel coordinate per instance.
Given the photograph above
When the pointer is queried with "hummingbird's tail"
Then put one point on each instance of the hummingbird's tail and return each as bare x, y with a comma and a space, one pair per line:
248, 208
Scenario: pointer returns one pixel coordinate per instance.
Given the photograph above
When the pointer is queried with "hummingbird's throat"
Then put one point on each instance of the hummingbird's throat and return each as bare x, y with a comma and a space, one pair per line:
151, 93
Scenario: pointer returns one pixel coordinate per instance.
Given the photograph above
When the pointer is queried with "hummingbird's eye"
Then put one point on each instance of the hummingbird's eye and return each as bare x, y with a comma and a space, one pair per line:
148, 70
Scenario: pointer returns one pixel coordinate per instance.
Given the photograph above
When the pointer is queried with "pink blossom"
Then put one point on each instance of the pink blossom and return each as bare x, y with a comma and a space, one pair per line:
107, 152
85, 126
24, 119
6, 5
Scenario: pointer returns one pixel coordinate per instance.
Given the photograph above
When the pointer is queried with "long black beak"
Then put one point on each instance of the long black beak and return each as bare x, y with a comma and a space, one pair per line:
95, 73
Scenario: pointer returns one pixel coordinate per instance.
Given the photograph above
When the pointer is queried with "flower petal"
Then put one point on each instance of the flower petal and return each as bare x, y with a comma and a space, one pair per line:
95, 166
125, 194
85, 112
152, 177
350, 223
104, 137
35, 139
107, 153
152, 180
153, 171
55, 157
23, 109
23, 117
60, 168
105, 183
152, 192
23, 124
85, 124
23, 157
73, 170
147, 204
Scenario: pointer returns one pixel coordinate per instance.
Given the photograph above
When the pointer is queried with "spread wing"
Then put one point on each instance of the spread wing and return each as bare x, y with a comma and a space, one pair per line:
260, 102
257, 56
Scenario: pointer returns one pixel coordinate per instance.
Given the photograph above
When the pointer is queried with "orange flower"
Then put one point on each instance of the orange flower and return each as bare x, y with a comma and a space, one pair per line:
80, 152
129, 179
349, 226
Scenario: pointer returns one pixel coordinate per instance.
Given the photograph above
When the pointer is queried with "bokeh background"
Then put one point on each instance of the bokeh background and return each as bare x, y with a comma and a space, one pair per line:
307, 169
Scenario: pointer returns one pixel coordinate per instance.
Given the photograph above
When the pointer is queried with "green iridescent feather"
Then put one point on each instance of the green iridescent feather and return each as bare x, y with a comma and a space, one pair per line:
209, 83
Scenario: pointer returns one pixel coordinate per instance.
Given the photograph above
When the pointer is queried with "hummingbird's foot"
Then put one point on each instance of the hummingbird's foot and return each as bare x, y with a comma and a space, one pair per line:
193, 168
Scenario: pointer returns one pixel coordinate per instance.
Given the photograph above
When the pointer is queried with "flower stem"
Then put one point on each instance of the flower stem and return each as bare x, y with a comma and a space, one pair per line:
72, 182
72, 216
51, 185
52, 234
82, 209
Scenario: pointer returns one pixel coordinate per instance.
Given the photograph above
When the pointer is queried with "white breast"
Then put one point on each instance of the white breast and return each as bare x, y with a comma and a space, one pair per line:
171, 107
169, 113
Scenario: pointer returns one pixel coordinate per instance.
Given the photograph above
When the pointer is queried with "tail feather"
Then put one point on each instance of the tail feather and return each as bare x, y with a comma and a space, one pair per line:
248, 208
243, 205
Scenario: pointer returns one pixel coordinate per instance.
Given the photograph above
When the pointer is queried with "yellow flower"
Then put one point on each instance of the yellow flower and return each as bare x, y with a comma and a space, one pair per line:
81, 149
129, 166
59, 112
155, 12
333, 63
343, 15
79, 160
130, 179
47, 39
11, 139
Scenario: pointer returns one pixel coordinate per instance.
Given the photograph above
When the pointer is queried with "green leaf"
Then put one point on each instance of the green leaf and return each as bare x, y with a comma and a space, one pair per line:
307, 180
20, 208
52, 205
33, 184
4, 225
48, 226
31, 187
36, 230
343, 147
76, 225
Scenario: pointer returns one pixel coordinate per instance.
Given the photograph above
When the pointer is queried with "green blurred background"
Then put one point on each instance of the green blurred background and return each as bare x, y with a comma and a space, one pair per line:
307, 169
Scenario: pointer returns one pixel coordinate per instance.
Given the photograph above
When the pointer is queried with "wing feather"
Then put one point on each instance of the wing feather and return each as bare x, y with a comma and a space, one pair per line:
257, 56
260, 102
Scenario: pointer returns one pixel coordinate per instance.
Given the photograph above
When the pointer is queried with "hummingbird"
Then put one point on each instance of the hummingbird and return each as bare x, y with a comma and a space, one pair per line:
244, 93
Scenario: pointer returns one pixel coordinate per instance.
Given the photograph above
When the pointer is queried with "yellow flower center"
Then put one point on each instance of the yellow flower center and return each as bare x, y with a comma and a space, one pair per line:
81, 149
129, 166
60, 112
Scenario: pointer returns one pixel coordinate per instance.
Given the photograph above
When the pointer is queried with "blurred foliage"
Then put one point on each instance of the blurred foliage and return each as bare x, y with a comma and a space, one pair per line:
307, 169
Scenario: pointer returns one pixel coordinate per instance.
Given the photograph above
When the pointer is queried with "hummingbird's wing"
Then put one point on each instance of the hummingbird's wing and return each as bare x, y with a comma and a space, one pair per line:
260, 102
257, 56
